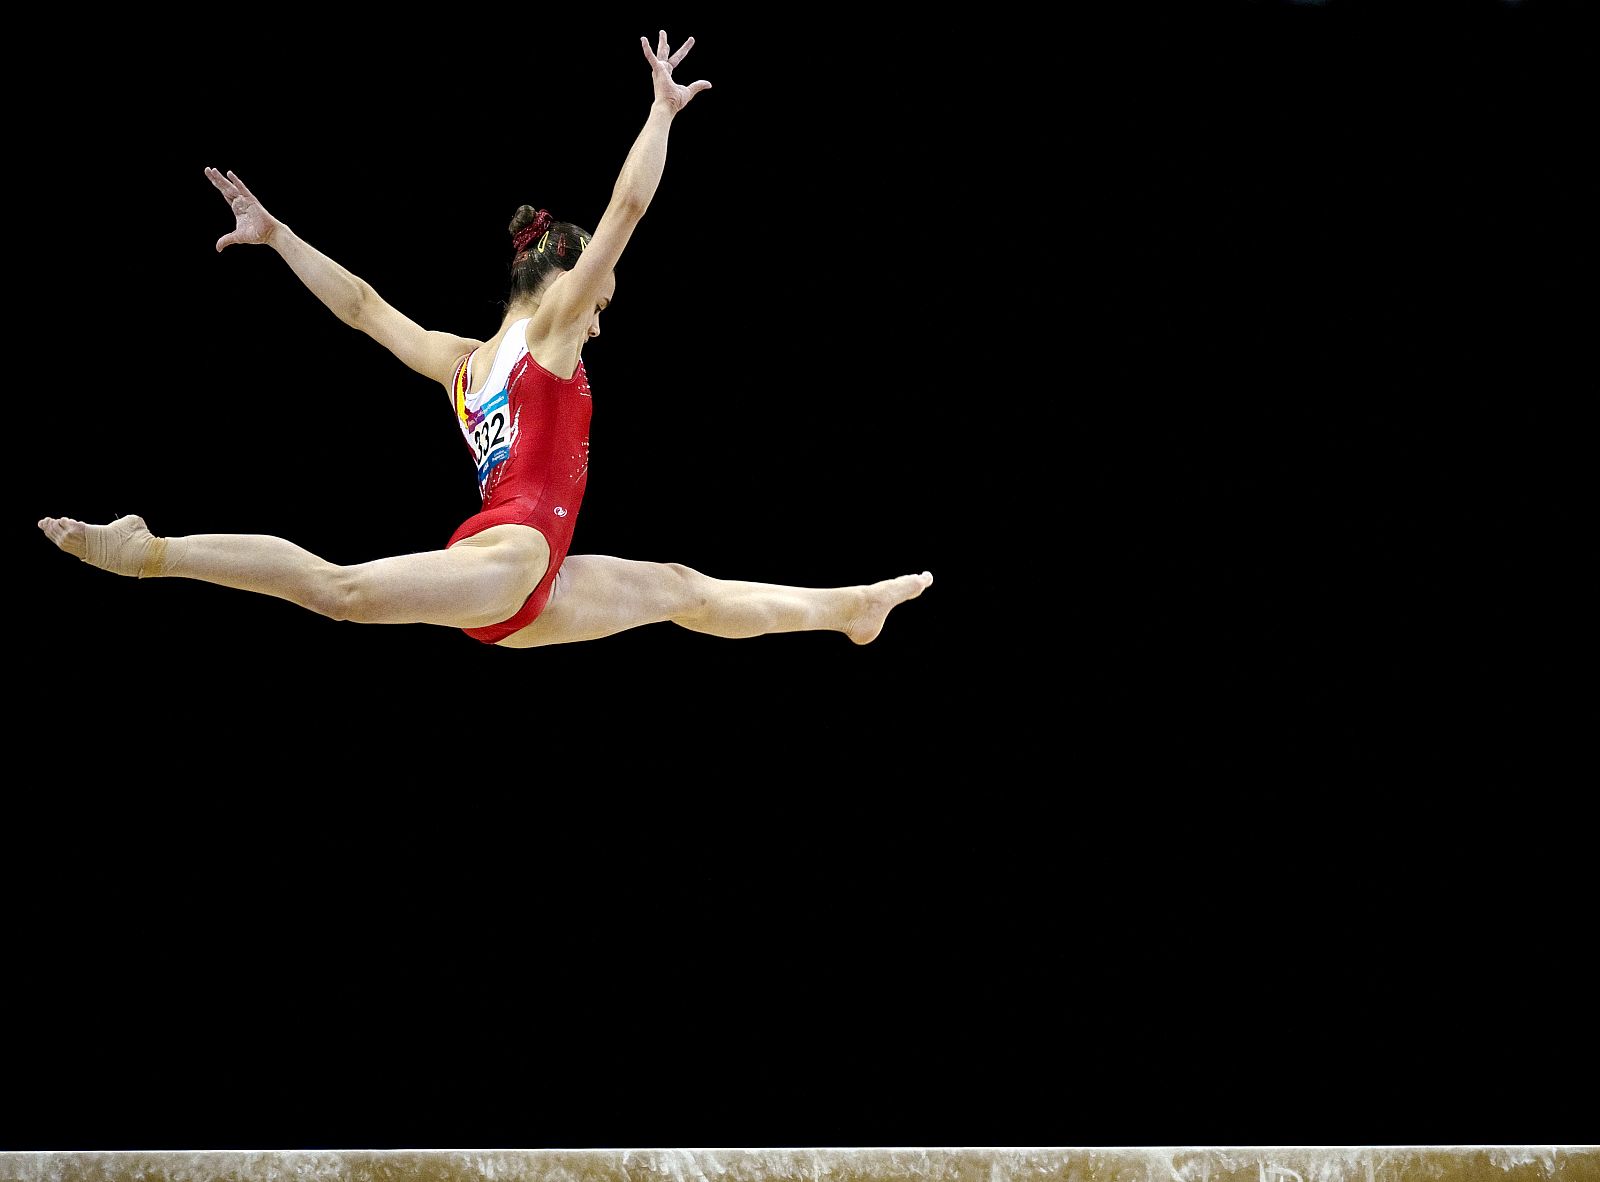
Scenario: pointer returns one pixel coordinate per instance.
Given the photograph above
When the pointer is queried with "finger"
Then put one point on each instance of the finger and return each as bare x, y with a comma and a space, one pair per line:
225, 241
243, 188
661, 46
698, 87
682, 51
645, 41
216, 179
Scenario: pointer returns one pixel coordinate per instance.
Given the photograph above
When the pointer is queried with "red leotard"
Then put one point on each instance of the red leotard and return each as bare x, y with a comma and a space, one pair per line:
528, 432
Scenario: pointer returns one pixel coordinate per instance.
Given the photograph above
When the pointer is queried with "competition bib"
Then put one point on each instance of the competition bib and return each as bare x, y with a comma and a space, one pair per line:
487, 430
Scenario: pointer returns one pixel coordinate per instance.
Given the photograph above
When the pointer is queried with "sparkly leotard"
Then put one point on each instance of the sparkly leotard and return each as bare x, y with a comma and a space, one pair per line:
528, 432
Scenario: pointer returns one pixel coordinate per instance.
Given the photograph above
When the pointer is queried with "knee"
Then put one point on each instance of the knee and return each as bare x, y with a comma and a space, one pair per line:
338, 593
689, 590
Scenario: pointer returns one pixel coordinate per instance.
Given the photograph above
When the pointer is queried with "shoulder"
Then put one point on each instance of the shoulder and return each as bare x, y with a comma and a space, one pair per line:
556, 349
443, 354
428, 351
460, 363
553, 341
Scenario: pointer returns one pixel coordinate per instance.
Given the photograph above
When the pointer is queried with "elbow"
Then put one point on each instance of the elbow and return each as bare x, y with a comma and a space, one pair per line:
629, 204
358, 304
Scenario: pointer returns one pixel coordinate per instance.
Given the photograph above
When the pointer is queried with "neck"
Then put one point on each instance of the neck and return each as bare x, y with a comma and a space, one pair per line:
518, 310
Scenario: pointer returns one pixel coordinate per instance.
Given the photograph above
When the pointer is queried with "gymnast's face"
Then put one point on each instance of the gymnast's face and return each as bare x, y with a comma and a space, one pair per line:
601, 303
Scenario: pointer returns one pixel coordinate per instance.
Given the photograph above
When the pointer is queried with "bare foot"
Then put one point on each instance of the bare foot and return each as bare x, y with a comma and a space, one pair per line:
125, 547
880, 597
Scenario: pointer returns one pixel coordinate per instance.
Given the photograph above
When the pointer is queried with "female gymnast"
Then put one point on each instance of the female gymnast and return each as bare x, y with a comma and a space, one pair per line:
522, 402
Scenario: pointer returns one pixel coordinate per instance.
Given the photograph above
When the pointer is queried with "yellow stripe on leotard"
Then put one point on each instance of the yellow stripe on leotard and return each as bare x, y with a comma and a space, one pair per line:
461, 391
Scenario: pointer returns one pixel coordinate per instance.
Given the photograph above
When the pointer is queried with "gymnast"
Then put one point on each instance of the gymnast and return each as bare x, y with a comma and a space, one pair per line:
521, 400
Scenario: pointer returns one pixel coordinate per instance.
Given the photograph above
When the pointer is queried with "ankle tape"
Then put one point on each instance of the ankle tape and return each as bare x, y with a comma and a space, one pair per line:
104, 548
155, 559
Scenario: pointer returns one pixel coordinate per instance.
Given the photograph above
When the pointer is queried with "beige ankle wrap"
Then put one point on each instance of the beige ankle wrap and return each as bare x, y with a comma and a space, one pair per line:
118, 548
155, 559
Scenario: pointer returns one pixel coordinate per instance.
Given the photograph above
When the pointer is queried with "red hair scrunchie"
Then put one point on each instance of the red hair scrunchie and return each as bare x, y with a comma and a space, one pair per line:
531, 232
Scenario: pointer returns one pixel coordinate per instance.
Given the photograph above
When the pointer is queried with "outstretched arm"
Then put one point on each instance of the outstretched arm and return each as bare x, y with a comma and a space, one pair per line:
574, 298
348, 296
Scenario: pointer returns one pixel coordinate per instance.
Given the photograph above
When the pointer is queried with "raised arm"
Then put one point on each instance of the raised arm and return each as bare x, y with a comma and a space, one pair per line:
574, 296
349, 297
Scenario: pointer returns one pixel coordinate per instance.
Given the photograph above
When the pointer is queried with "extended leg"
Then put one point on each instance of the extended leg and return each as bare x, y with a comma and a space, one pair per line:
595, 596
479, 581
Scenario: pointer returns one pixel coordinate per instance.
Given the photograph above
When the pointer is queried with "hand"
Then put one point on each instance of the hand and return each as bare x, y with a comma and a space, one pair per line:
667, 91
254, 223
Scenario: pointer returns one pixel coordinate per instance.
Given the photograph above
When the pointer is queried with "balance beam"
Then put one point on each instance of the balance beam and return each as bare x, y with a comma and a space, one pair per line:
1539, 1163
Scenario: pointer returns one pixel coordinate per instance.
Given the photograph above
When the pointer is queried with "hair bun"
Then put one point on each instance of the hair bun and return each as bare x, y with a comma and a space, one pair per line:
531, 232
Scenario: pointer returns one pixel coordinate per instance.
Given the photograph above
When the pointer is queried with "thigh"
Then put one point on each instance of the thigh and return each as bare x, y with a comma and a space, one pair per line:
596, 595
477, 582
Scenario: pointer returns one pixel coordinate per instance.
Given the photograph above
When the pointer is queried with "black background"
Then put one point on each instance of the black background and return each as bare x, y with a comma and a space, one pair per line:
1217, 359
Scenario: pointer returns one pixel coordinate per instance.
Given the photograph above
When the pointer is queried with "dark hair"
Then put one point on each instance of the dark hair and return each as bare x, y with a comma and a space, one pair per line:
556, 249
